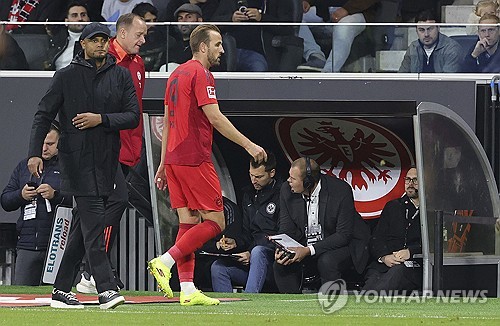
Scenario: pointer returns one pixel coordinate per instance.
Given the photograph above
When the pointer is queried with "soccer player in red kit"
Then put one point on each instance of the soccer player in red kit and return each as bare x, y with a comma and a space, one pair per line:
191, 113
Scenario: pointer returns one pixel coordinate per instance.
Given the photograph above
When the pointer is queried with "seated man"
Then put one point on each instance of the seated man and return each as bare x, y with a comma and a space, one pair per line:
260, 219
256, 45
433, 51
395, 240
483, 57
318, 212
335, 11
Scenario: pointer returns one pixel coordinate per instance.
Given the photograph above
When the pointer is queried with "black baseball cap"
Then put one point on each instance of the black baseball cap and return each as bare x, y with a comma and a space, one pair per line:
94, 29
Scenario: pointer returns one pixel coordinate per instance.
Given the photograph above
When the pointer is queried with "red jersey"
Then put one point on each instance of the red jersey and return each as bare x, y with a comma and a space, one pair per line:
189, 87
131, 139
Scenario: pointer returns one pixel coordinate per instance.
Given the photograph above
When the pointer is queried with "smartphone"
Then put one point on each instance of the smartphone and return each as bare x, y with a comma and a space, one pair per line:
32, 184
243, 5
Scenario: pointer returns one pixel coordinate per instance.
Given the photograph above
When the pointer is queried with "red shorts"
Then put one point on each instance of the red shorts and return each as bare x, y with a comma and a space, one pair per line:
194, 187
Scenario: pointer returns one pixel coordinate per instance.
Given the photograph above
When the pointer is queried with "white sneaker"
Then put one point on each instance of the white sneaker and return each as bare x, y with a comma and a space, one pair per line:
86, 284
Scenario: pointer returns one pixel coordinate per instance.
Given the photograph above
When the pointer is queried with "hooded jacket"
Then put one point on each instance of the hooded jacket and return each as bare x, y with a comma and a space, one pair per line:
89, 157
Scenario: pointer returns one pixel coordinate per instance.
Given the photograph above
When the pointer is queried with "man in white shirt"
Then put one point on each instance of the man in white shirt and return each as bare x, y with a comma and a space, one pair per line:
62, 44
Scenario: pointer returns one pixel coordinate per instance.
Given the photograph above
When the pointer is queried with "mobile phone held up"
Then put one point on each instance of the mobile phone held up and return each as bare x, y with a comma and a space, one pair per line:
243, 5
32, 184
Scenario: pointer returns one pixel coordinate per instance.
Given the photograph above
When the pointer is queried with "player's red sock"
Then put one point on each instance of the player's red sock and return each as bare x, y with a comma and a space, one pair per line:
193, 239
185, 265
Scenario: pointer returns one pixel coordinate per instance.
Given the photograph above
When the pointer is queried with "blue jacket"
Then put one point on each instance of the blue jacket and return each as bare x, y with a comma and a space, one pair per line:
33, 234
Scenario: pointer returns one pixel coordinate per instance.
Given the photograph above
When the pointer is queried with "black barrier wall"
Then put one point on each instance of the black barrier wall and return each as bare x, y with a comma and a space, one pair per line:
19, 97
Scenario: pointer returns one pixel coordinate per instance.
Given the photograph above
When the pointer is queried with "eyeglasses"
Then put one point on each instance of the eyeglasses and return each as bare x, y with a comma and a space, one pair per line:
414, 180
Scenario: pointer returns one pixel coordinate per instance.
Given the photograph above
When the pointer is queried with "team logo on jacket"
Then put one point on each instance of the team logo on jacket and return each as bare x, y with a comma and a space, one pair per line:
271, 208
368, 156
211, 92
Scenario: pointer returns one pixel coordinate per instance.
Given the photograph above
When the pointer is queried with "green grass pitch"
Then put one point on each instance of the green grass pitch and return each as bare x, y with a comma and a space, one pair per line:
257, 309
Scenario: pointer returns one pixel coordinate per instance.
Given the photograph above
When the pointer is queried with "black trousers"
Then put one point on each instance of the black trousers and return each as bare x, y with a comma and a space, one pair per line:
115, 206
330, 266
29, 266
396, 278
87, 236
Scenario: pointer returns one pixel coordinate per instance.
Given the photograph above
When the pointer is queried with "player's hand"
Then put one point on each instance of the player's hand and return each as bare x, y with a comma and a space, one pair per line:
257, 152
35, 166
86, 120
28, 192
160, 178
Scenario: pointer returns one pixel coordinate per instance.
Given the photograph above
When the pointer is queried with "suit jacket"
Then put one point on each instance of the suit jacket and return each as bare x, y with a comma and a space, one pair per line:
342, 226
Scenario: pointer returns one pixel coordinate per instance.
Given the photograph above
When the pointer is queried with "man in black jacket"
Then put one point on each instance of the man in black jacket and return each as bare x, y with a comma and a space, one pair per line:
64, 41
95, 99
318, 212
395, 240
260, 207
37, 200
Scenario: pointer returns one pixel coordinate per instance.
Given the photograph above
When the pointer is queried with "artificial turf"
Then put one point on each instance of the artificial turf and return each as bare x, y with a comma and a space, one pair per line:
257, 309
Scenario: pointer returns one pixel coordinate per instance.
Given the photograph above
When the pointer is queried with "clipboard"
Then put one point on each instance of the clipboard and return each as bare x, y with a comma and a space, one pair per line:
283, 242
221, 255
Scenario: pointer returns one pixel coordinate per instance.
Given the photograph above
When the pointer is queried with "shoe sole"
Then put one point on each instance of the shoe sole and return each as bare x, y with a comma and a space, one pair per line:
84, 288
113, 303
199, 304
62, 305
167, 292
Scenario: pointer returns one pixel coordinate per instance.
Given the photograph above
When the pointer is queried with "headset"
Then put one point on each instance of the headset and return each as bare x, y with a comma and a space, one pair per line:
309, 179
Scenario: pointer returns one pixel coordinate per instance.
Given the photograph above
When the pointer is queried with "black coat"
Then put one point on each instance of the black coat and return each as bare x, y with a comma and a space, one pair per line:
33, 234
260, 216
89, 158
342, 226
396, 229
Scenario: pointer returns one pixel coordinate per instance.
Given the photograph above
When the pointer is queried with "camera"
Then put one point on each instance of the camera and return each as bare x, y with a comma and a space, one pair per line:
243, 5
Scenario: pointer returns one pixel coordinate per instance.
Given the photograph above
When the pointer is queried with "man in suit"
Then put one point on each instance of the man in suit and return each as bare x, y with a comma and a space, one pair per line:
318, 211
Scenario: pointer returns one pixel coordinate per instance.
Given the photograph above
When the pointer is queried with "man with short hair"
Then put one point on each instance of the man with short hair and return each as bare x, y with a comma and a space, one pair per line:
433, 51
483, 57
191, 113
37, 200
260, 206
318, 211
95, 99
64, 45
395, 240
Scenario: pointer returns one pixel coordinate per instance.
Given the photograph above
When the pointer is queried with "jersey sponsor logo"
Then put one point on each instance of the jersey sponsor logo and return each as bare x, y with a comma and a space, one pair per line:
271, 208
368, 156
211, 92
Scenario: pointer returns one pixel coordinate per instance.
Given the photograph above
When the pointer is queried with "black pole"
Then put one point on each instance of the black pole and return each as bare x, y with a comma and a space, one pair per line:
438, 253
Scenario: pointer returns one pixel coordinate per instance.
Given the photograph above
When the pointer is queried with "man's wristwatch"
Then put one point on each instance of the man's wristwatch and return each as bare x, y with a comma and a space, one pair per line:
380, 260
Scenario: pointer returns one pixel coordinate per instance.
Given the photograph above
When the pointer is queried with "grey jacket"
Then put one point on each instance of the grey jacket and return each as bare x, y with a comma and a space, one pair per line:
447, 56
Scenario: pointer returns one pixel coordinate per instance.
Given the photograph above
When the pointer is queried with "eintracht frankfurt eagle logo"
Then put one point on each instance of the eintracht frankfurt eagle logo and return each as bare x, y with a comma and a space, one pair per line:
369, 157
